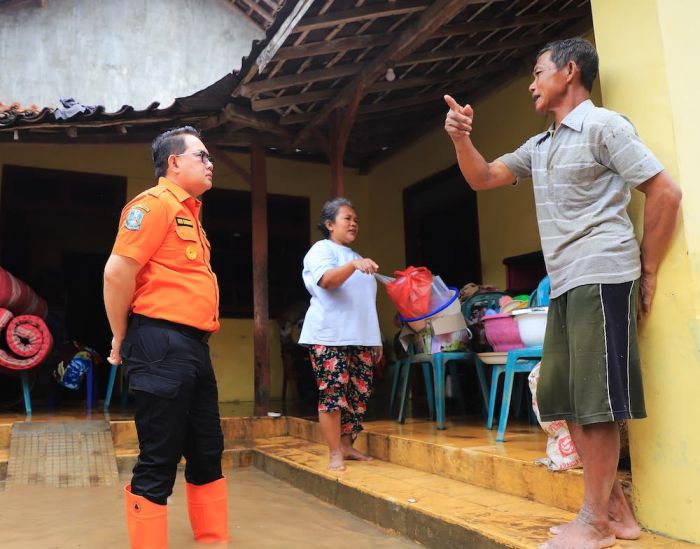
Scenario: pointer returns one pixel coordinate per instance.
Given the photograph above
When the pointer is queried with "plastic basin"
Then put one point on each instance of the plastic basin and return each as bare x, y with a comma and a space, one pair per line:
502, 332
532, 324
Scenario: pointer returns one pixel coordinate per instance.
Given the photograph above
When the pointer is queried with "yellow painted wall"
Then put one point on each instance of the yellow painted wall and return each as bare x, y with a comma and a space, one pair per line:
649, 71
232, 346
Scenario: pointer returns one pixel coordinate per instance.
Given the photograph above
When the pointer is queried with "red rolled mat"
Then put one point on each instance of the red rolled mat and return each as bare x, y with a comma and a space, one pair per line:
28, 339
18, 297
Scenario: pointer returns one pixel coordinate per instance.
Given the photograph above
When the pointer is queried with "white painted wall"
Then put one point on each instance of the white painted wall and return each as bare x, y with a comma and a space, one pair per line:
116, 52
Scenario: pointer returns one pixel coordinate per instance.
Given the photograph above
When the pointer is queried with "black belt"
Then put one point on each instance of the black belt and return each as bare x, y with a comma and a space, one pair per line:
189, 331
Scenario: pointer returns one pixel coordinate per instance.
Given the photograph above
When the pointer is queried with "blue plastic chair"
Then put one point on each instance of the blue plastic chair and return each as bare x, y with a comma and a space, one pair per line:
402, 370
110, 388
24, 376
440, 362
517, 361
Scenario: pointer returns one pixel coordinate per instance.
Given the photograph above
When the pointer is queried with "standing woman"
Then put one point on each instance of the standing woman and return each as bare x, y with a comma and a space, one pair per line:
341, 330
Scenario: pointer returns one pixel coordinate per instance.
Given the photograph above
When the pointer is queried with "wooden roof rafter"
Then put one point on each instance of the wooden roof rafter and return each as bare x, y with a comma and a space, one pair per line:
260, 12
439, 13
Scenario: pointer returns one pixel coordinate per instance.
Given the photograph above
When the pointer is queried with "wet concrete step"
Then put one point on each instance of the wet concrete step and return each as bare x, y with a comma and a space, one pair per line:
239, 434
434, 510
469, 453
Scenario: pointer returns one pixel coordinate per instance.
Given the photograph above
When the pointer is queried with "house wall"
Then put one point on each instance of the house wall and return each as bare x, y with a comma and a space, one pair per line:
93, 51
232, 346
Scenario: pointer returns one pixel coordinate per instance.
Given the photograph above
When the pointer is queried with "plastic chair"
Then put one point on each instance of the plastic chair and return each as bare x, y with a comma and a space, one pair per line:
124, 395
400, 373
24, 376
513, 362
439, 363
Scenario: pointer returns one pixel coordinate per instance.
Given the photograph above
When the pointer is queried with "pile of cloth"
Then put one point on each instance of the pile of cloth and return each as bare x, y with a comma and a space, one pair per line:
21, 321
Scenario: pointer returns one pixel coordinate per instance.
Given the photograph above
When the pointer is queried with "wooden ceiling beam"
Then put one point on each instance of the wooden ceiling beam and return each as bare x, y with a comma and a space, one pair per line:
230, 163
472, 51
371, 40
288, 100
274, 44
375, 11
253, 88
475, 95
419, 81
440, 78
334, 46
439, 13
236, 113
253, 5
511, 22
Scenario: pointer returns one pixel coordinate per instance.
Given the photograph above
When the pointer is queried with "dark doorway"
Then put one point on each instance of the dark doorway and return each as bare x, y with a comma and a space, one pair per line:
56, 232
227, 219
442, 227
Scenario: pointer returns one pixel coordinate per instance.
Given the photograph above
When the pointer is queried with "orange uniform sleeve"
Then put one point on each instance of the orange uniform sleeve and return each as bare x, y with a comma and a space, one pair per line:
143, 226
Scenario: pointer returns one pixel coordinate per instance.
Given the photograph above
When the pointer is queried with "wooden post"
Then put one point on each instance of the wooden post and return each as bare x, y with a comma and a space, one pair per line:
260, 280
341, 121
336, 152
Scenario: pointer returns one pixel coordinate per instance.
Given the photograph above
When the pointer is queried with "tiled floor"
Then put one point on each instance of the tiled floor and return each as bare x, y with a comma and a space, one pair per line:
61, 454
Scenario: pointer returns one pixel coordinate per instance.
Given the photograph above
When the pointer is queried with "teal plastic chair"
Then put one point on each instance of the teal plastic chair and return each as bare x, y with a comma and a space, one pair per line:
26, 388
401, 369
439, 363
517, 361
110, 388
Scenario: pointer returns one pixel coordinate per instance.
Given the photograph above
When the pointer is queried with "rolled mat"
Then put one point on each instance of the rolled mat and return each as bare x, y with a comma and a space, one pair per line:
28, 339
19, 297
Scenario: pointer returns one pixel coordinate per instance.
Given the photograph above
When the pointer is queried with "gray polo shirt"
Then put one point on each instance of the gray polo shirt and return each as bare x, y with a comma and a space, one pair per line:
582, 175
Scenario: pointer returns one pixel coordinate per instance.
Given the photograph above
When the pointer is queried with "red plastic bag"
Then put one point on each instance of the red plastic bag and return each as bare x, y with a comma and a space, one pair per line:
410, 291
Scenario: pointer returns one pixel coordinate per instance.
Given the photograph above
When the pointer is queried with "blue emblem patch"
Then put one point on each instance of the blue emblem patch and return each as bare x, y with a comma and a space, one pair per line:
134, 219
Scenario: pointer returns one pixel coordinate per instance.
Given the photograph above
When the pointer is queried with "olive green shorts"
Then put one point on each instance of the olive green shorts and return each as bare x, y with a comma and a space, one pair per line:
590, 369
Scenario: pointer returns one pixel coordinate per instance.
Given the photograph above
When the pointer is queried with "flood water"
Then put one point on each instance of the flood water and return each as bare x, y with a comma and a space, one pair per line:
263, 513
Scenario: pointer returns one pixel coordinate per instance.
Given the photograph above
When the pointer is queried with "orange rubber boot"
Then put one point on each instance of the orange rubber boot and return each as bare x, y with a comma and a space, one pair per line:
146, 521
208, 508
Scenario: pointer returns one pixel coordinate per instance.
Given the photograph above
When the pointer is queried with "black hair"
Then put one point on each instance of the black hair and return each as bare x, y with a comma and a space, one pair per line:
329, 213
167, 143
579, 51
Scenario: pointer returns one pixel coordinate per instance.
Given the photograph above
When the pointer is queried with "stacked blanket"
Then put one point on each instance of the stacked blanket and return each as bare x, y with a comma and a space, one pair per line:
19, 298
28, 339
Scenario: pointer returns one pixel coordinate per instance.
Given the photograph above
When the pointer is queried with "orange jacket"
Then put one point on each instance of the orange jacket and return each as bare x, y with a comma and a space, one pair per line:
160, 229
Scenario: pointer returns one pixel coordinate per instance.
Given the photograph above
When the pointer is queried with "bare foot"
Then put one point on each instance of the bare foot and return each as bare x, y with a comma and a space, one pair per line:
579, 535
336, 462
351, 453
621, 519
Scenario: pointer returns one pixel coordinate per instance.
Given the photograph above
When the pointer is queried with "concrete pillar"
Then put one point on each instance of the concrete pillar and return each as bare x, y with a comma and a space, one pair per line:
649, 72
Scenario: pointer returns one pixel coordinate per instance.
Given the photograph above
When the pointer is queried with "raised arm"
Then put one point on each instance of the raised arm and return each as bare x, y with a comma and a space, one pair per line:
334, 278
479, 173
663, 198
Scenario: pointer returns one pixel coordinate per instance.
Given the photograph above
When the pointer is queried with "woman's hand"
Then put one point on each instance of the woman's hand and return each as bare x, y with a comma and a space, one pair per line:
365, 265
377, 354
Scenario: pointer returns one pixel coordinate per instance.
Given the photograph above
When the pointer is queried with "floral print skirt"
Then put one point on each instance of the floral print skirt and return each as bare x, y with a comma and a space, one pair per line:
344, 376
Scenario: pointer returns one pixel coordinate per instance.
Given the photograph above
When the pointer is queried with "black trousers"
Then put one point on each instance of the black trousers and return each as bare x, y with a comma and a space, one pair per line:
177, 411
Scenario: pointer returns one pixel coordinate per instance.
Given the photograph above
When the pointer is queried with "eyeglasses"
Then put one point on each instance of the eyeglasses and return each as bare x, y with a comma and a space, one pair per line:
203, 156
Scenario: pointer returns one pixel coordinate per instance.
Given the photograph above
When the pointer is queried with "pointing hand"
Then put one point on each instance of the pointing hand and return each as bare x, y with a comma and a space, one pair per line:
458, 122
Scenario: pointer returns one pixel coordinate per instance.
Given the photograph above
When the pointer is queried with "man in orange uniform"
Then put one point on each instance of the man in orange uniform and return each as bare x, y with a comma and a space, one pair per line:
162, 301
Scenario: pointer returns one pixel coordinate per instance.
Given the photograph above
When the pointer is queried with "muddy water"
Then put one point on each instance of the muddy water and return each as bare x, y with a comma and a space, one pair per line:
264, 513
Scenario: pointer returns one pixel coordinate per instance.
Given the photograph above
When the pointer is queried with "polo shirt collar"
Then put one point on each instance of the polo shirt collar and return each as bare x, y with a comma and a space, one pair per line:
180, 193
575, 118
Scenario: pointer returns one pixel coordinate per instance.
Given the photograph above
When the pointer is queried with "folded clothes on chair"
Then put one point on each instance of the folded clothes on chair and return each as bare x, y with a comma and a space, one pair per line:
28, 339
77, 359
